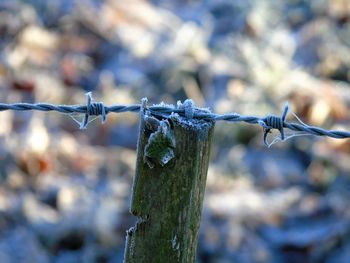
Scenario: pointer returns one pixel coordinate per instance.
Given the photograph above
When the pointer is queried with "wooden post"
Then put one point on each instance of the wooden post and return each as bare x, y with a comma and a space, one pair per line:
168, 189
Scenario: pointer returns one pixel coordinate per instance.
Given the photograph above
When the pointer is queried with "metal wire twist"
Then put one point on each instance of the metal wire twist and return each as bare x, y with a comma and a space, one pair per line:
186, 109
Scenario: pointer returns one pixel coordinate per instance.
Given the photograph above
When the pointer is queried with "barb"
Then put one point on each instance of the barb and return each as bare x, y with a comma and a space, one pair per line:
187, 110
274, 122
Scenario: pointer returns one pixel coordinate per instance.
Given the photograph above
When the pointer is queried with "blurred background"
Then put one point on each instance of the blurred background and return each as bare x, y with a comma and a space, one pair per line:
65, 192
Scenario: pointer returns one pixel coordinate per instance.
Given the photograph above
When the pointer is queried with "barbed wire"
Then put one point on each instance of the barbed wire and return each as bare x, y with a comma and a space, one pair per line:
187, 110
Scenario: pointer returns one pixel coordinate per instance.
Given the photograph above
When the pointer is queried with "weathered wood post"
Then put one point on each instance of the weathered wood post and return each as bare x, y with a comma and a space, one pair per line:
168, 189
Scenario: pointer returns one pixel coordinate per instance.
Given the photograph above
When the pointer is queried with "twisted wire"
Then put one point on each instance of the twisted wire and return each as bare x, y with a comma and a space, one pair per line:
187, 110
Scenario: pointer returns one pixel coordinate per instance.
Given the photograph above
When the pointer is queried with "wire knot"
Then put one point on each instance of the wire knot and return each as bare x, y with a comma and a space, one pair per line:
189, 108
93, 109
274, 122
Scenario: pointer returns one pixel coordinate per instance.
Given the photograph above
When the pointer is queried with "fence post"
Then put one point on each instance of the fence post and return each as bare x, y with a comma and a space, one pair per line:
168, 189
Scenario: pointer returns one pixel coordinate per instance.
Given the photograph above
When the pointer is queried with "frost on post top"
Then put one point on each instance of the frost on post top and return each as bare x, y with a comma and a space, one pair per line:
161, 142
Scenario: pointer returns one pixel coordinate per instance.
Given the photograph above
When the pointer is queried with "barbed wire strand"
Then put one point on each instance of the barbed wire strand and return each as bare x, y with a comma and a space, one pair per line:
186, 109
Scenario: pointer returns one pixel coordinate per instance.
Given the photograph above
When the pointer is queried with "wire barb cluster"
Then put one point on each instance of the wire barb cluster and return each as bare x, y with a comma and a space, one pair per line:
274, 122
186, 109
